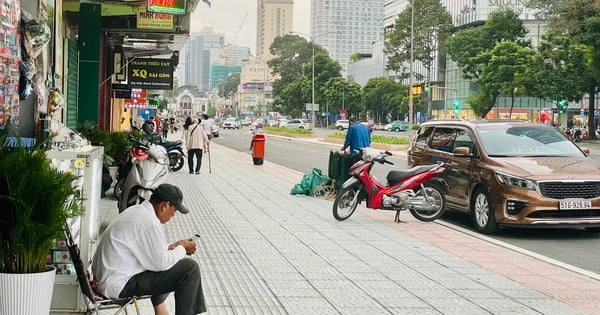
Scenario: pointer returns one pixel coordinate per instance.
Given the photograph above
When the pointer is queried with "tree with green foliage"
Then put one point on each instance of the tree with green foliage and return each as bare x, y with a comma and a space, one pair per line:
293, 63
355, 56
292, 53
562, 70
291, 98
340, 93
472, 48
466, 45
505, 70
431, 25
325, 69
384, 95
229, 87
482, 101
580, 22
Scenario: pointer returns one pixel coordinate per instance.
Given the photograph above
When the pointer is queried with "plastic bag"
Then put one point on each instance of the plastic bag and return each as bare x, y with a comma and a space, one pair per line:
310, 183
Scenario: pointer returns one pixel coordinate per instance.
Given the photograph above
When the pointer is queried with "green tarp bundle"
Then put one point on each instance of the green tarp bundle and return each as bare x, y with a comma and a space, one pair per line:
311, 184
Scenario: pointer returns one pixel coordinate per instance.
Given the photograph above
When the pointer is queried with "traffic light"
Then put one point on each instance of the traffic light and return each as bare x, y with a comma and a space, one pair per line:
562, 107
416, 89
427, 87
456, 108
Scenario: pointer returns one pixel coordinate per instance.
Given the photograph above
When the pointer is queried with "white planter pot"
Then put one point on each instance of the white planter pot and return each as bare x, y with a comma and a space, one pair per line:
26, 294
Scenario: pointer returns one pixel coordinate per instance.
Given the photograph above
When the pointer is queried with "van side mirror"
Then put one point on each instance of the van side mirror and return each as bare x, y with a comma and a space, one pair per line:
585, 150
462, 151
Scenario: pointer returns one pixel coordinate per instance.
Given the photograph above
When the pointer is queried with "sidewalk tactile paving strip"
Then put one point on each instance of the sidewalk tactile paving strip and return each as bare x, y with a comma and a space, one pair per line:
264, 251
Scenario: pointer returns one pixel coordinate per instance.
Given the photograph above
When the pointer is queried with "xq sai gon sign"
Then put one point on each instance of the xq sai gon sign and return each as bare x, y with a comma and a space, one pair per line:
148, 73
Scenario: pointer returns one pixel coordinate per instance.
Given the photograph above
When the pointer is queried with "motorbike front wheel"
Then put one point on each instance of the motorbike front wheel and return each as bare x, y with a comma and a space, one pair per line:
175, 161
436, 201
346, 201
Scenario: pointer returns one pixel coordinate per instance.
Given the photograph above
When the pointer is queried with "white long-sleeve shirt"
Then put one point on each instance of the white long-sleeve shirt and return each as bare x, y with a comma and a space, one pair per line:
196, 138
133, 243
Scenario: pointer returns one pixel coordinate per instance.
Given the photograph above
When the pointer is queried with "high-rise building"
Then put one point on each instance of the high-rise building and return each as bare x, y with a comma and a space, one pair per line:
275, 18
345, 27
201, 51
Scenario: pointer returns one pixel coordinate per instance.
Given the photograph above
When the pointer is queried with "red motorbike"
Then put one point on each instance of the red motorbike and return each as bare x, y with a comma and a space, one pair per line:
410, 189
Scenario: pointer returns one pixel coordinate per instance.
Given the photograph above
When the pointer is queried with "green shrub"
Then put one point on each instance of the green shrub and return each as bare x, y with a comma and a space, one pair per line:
35, 201
289, 130
375, 138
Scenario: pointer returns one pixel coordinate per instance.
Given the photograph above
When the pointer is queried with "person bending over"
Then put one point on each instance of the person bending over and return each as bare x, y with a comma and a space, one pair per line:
357, 137
134, 258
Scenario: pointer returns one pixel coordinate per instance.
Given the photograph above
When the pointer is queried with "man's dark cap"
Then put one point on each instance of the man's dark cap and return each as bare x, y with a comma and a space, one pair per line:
172, 194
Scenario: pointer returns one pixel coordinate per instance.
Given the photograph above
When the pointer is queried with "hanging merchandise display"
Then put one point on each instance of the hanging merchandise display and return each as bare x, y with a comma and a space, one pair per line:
36, 34
10, 56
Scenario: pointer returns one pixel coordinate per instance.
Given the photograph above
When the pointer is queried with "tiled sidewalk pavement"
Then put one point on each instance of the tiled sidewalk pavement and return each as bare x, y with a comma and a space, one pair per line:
264, 251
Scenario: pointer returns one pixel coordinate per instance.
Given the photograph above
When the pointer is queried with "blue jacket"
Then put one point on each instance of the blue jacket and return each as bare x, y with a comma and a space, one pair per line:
358, 137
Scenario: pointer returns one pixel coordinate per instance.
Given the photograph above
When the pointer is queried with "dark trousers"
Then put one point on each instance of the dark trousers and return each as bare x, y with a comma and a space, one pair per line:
183, 279
198, 154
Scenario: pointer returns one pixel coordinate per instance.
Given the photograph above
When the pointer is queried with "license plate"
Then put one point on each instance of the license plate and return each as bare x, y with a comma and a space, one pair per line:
575, 204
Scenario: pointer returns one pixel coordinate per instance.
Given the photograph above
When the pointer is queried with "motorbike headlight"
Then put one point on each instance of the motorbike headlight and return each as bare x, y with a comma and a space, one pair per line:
515, 181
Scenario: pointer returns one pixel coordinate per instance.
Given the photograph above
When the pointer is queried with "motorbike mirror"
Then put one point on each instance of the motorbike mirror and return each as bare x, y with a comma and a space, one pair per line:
388, 153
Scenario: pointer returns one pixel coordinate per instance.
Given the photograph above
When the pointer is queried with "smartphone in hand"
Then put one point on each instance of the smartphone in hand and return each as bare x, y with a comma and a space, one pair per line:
195, 237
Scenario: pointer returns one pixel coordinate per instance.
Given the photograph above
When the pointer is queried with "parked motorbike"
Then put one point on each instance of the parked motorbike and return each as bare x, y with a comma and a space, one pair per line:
176, 155
144, 168
405, 190
174, 150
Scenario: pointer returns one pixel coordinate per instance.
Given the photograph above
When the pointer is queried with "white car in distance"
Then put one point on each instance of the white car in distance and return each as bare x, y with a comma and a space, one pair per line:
232, 123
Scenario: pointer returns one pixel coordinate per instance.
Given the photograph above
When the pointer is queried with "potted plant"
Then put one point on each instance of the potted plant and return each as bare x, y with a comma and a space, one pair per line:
35, 202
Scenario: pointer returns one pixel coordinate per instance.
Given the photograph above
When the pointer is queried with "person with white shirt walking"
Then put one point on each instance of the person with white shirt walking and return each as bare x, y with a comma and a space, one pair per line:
197, 142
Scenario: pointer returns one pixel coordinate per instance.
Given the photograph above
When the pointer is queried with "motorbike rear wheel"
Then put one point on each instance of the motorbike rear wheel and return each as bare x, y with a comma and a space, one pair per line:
346, 201
118, 190
437, 201
176, 161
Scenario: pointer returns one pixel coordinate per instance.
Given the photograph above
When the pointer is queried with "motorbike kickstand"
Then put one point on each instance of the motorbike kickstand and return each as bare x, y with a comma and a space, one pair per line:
397, 218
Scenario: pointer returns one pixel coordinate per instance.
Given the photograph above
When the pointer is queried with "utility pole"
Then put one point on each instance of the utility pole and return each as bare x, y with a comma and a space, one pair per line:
410, 84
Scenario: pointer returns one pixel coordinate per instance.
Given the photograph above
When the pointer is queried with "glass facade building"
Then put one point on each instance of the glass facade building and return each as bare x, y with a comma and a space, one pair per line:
344, 27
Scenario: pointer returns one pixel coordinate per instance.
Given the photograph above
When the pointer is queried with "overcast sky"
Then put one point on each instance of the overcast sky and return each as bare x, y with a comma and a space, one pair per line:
227, 17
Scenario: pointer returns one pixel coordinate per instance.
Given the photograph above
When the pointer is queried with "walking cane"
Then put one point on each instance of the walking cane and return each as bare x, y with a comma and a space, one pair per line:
209, 168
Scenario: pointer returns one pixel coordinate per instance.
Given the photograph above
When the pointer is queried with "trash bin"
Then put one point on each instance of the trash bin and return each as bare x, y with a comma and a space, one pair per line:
258, 149
339, 164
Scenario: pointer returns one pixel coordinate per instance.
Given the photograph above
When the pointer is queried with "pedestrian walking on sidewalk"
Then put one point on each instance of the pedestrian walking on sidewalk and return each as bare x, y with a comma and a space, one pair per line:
197, 142
207, 125
133, 257
186, 125
357, 137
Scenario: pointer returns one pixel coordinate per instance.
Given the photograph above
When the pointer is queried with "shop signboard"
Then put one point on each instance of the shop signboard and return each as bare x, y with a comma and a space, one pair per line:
121, 91
149, 73
153, 20
167, 6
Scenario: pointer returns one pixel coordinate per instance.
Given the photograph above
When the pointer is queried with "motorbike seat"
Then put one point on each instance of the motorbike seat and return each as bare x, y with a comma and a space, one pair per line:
172, 143
396, 176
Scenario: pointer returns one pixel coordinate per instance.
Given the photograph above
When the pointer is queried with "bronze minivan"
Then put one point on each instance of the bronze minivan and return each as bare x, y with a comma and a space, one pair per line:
511, 173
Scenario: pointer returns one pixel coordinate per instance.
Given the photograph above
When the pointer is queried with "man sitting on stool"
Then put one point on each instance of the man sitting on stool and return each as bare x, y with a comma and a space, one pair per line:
133, 257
